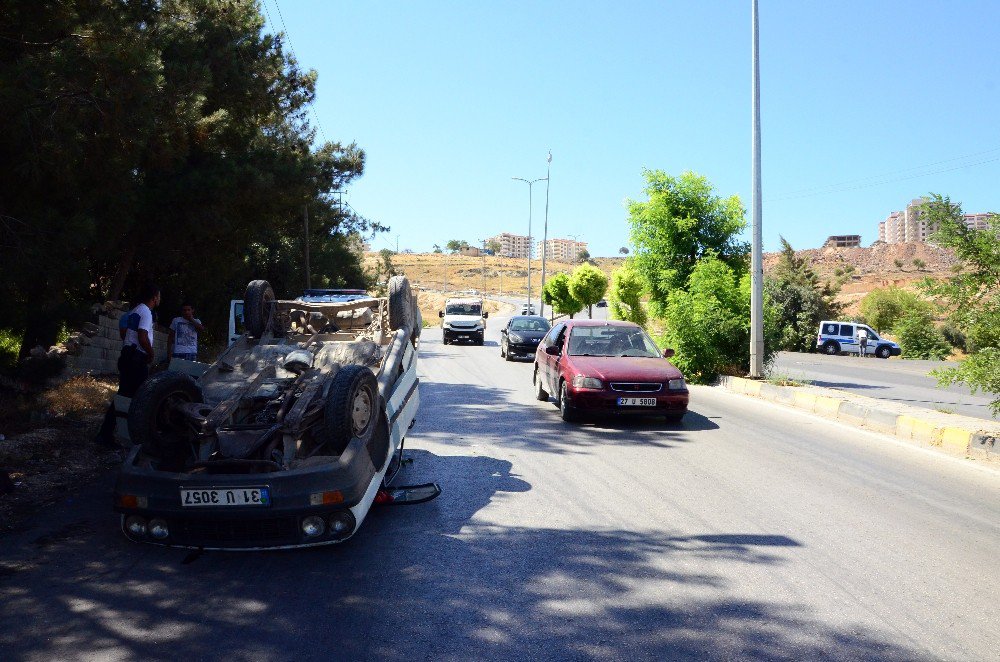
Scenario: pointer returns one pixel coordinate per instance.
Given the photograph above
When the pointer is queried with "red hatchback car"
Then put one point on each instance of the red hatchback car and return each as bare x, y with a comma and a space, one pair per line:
608, 367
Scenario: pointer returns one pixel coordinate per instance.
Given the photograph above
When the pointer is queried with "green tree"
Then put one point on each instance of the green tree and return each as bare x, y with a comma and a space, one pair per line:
583, 255
708, 324
801, 300
456, 245
437, 249
884, 308
493, 246
681, 222
557, 294
625, 298
972, 295
898, 264
919, 264
588, 285
919, 338
159, 141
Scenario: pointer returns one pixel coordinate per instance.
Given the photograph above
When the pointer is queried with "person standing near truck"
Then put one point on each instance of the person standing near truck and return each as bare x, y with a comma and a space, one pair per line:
183, 339
135, 358
863, 340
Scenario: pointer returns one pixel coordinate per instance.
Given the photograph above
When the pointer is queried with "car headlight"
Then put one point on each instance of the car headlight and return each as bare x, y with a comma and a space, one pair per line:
516, 338
587, 382
675, 384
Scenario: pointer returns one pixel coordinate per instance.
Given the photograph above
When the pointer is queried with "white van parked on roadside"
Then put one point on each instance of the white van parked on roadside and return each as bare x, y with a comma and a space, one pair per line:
842, 338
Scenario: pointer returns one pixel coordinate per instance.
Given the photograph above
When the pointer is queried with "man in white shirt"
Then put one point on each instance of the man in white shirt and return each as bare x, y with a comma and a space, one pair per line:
863, 340
183, 338
135, 358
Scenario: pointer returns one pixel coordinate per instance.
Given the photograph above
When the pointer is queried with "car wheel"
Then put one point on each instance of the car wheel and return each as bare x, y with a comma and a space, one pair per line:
503, 352
831, 348
540, 393
883, 352
567, 412
401, 307
154, 422
258, 307
351, 409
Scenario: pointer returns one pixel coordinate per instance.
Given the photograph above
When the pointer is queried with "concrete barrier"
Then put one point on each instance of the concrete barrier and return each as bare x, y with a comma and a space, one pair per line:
956, 435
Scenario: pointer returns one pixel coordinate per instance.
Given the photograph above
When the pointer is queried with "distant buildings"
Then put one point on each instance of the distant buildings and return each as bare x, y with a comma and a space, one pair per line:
562, 250
908, 225
512, 245
843, 241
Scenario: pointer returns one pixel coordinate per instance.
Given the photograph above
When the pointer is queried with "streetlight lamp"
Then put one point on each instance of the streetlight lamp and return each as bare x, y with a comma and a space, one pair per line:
529, 182
545, 234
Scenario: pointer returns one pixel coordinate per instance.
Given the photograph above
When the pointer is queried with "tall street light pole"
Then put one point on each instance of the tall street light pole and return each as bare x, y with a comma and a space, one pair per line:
545, 234
529, 183
756, 257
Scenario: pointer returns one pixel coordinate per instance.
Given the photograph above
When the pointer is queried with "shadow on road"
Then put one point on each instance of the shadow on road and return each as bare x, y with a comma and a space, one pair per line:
467, 414
428, 582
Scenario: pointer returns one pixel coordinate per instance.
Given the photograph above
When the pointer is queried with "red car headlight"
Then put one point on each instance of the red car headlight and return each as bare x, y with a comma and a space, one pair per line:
587, 382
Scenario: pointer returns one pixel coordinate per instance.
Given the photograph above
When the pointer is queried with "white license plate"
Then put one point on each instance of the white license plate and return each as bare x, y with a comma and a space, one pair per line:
215, 497
636, 402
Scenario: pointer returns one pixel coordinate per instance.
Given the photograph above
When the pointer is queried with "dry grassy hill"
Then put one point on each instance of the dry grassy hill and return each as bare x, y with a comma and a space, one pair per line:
494, 275
877, 266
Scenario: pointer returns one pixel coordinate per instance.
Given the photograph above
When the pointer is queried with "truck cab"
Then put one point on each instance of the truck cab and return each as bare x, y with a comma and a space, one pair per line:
463, 319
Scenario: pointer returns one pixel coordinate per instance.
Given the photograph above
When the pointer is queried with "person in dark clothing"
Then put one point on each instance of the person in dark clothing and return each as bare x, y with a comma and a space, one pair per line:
135, 358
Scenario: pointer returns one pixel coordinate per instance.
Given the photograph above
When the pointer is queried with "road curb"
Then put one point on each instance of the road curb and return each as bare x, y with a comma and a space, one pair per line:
959, 436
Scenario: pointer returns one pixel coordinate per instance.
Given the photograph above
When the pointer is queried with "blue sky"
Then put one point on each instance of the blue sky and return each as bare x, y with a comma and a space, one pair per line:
864, 106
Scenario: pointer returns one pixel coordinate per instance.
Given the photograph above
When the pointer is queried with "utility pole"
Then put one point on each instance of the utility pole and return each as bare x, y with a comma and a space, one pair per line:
545, 234
529, 183
483, 291
305, 243
756, 257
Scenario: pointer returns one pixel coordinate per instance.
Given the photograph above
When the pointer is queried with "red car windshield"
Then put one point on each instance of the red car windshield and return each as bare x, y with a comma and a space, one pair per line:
611, 341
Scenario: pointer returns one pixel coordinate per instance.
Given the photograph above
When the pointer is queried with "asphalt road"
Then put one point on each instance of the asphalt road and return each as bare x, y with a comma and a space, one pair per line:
747, 532
906, 382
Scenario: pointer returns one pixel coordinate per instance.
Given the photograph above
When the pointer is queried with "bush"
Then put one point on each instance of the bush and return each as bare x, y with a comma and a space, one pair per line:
884, 308
919, 338
10, 345
954, 336
625, 296
709, 323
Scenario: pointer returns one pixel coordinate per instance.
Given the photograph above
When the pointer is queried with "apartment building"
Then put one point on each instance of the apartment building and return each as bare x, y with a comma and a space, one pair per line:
977, 221
908, 225
843, 241
561, 250
513, 245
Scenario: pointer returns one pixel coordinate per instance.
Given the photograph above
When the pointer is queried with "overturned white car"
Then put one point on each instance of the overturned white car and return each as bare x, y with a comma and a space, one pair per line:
288, 438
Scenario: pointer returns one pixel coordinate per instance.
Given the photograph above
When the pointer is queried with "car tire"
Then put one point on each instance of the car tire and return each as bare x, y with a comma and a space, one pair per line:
352, 409
258, 308
445, 339
400, 304
503, 353
831, 348
883, 352
674, 417
507, 355
566, 412
540, 393
150, 422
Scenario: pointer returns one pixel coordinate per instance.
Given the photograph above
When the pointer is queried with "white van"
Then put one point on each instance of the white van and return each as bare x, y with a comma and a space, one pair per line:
463, 318
842, 337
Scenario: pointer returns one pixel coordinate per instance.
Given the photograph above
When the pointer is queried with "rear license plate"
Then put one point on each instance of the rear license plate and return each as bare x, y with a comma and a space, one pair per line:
636, 402
216, 497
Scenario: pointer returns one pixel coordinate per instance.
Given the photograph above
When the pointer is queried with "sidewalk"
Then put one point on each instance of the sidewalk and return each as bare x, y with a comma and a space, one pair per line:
962, 436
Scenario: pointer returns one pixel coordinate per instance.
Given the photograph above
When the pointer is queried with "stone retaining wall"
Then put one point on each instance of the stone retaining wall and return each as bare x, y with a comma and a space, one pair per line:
95, 348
